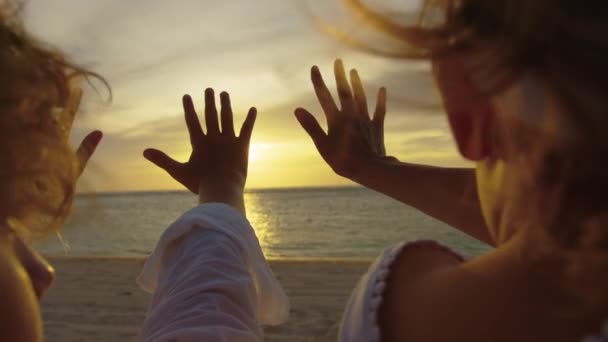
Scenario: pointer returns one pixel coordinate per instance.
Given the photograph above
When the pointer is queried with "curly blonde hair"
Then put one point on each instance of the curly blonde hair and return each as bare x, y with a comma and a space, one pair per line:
39, 96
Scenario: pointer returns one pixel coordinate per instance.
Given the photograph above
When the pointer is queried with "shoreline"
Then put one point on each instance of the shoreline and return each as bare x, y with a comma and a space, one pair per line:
362, 260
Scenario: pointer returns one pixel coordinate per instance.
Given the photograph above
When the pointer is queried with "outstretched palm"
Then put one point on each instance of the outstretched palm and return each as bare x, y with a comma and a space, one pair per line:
353, 138
218, 158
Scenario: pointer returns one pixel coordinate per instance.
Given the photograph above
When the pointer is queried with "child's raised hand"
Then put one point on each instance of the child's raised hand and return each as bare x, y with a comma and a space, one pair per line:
353, 138
218, 161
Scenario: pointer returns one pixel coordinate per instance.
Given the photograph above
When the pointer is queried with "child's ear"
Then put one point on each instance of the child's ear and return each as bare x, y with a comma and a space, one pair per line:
473, 132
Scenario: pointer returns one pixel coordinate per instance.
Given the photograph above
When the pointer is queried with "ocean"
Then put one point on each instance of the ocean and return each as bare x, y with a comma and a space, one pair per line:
348, 222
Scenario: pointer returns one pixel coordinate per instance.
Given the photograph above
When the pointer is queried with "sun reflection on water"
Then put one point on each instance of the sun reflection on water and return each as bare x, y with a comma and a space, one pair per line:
262, 222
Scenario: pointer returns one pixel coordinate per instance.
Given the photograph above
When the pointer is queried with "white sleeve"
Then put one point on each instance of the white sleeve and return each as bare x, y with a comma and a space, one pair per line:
210, 281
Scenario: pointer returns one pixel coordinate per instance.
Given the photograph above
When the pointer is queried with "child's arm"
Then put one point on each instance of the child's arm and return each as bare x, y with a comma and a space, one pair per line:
208, 274
210, 281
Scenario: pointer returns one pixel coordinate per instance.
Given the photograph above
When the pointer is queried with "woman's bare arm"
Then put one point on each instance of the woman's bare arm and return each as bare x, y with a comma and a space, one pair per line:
353, 147
447, 194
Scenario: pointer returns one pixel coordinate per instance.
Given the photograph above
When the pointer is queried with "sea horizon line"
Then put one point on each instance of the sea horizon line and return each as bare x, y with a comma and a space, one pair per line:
248, 190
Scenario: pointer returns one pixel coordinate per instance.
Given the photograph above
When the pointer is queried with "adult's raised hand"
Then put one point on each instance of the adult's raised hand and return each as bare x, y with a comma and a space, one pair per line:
353, 137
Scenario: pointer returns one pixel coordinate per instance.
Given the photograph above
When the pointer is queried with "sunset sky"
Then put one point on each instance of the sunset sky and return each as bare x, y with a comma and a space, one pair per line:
154, 51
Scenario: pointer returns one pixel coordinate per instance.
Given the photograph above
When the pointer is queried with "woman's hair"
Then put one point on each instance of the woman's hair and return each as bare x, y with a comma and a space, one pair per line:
564, 45
39, 95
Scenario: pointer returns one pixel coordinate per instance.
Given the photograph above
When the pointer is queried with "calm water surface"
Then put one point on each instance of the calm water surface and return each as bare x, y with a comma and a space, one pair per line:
329, 222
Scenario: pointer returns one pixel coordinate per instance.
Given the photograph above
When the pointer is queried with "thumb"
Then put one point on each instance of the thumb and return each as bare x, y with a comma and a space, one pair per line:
87, 148
163, 161
312, 127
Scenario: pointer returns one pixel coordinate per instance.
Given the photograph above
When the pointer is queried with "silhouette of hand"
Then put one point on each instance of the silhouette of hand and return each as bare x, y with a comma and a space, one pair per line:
352, 138
218, 161
87, 148
90, 142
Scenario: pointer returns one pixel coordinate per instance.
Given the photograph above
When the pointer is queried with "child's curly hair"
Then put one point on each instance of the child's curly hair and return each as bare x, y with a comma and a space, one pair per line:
38, 99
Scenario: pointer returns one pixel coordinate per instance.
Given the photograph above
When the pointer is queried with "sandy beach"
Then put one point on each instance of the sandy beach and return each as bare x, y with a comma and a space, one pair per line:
96, 299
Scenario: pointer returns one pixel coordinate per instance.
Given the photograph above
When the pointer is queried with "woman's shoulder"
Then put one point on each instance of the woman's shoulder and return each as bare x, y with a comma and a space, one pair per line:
399, 265
409, 262
422, 256
415, 258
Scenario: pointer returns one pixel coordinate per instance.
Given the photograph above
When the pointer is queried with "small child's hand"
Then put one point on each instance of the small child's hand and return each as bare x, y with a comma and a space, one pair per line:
217, 168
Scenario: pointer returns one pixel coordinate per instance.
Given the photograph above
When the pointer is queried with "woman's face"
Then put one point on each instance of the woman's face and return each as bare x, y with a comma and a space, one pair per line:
467, 113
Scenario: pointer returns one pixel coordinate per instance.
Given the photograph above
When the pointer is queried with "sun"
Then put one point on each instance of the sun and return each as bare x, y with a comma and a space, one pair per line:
259, 151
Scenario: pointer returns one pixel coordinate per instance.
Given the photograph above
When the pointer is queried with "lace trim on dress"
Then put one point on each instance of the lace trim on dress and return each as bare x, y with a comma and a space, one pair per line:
360, 320
384, 268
